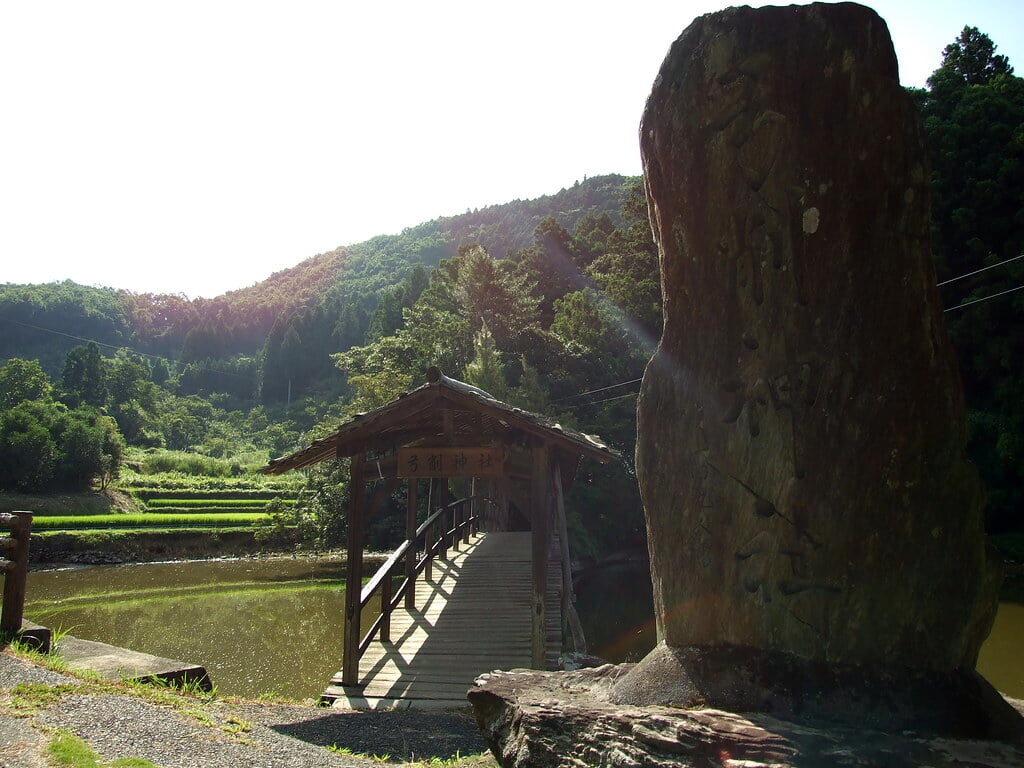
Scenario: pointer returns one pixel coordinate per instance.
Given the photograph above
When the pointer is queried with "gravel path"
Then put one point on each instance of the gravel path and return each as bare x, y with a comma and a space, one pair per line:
197, 734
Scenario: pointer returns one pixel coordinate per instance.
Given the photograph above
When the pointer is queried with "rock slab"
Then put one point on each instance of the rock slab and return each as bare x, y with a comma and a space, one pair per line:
565, 720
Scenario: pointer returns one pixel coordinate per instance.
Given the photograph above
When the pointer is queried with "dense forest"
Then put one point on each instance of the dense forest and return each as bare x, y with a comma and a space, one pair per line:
551, 304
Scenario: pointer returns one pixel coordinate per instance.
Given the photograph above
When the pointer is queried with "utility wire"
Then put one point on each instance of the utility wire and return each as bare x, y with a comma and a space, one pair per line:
594, 391
560, 400
115, 346
985, 298
76, 338
991, 266
606, 400
609, 399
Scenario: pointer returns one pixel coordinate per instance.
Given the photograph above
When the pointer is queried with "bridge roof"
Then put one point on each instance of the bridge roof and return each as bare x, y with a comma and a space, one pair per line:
443, 411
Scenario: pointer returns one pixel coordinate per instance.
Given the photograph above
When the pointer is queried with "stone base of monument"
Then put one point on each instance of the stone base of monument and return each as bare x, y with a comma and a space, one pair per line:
820, 716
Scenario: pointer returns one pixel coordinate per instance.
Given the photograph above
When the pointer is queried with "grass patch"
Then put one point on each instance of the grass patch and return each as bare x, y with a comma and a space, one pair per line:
208, 502
177, 482
148, 520
28, 699
349, 752
148, 495
479, 760
51, 660
68, 751
159, 462
208, 508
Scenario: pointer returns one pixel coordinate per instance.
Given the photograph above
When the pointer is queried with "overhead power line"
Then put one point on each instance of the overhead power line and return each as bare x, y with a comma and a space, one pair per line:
985, 298
975, 272
595, 391
115, 346
605, 400
72, 336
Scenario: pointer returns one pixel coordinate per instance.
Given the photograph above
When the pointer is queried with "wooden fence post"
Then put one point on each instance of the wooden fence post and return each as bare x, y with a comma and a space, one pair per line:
15, 569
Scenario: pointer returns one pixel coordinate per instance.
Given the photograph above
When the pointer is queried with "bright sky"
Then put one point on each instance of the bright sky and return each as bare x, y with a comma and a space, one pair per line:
197, 146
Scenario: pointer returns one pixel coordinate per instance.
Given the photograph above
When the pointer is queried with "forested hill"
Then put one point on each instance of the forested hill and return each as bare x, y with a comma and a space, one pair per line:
340, 289
551, 304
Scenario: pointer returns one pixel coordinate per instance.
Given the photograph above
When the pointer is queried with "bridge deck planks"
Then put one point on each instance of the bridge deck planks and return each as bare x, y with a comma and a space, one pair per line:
472, 616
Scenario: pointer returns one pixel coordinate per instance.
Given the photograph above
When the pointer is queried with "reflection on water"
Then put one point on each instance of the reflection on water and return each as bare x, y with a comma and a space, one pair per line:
1002, 656
617, 613
277, 625
257, 626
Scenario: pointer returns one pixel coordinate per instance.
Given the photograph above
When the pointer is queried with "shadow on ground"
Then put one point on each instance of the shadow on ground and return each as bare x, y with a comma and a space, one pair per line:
403, 736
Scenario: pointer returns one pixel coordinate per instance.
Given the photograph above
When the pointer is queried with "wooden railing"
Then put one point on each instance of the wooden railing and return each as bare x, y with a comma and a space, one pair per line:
443, 530
14, 565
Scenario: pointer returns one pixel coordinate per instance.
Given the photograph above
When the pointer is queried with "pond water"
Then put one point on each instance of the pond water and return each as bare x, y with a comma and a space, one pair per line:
276, 625
258, 626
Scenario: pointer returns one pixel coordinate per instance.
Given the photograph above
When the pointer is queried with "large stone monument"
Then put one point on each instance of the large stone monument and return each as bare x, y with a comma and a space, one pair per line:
815, 529
801, 426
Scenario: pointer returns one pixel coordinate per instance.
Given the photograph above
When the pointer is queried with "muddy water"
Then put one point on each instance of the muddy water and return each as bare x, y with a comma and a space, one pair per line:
276, 625
1002, 656
257, 626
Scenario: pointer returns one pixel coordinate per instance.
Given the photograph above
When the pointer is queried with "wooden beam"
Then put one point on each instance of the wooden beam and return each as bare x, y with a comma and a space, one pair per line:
410, 535
354, 571
539, 550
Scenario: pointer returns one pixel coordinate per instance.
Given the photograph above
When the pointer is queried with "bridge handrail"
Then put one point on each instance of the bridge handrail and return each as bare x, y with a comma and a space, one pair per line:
388, 565
382, 580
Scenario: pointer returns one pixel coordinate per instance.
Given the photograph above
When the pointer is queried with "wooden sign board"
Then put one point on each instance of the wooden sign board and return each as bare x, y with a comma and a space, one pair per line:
450, 462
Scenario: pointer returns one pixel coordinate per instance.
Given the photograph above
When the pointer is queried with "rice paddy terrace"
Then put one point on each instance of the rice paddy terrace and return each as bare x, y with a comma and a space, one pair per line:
176, 506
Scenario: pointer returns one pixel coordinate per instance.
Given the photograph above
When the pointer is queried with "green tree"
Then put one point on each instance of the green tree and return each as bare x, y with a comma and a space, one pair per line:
160, 372
82, 381
28, 452
491, 293
974, 122
486, 371
973, 115
90, 448
552, 266
22, 380
972, 57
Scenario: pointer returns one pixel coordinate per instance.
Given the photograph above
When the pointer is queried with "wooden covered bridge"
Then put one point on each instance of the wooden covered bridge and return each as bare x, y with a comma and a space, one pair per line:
483, 582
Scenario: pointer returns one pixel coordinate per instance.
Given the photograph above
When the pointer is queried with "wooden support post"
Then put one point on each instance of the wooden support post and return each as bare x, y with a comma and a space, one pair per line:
570, 619
476, 508
498, 519
456, 522
386, 589
446, 516
410, 535
428, 570
539, 529
354, 572
16, 569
